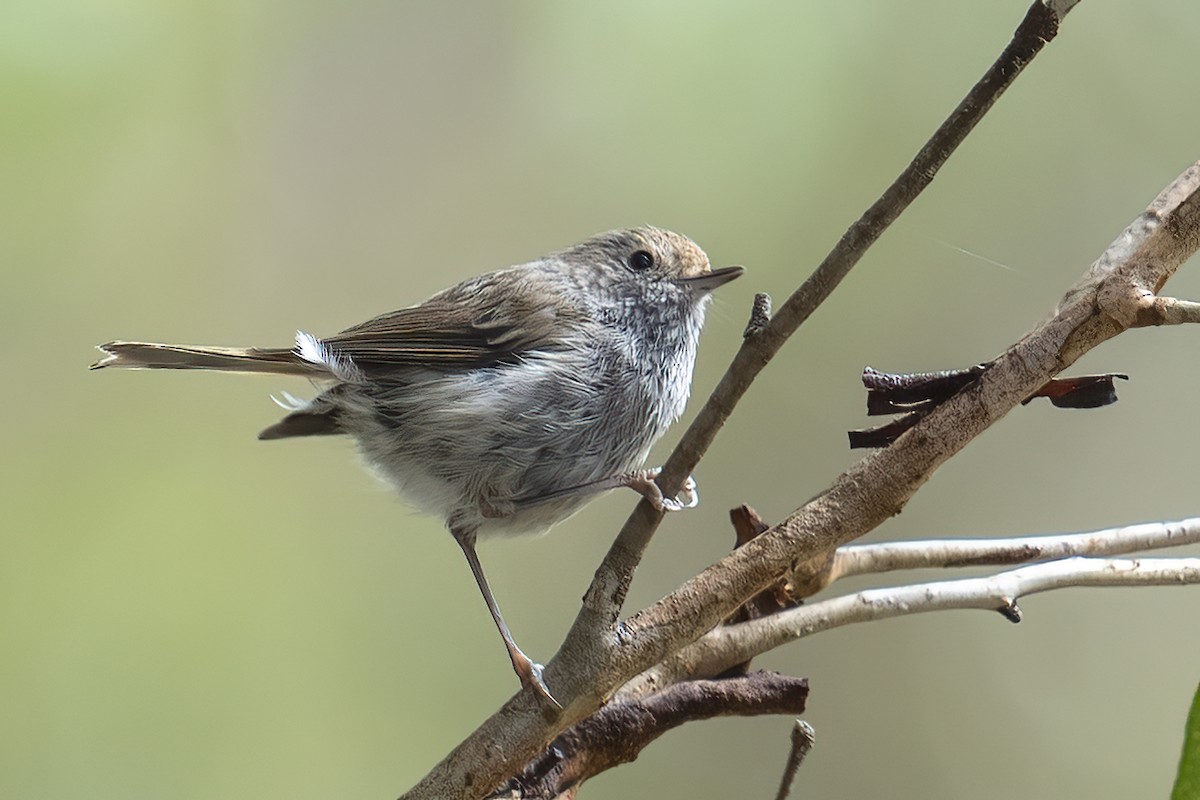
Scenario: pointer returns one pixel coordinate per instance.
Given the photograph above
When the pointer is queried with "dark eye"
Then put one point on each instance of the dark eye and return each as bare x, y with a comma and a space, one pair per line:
641, 261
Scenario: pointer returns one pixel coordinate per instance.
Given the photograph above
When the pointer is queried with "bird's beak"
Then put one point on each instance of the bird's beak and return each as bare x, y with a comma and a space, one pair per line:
711, 280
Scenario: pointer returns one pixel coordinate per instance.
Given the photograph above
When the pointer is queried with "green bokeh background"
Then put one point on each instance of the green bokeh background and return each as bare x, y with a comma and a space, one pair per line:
186, 612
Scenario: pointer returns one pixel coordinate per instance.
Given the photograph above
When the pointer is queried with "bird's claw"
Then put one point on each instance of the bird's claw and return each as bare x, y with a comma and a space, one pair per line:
643, 482
530, 674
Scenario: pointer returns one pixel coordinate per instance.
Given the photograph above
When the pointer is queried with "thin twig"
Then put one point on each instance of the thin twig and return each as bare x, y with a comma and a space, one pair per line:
1172, 311
864, 559
803, 739
732, 644
760, 315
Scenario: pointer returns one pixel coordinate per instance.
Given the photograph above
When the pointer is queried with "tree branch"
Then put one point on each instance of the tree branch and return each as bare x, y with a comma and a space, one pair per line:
602, 603
864, 559
561, 767
1146, 253
617, 733
1100, 306
732, 644
852, 560
597, 658
803, 739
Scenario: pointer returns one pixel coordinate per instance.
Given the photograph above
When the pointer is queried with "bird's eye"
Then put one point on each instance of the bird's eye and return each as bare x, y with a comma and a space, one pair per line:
641, 260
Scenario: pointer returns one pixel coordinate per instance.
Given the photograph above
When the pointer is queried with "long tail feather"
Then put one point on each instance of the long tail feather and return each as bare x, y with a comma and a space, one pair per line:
147, 355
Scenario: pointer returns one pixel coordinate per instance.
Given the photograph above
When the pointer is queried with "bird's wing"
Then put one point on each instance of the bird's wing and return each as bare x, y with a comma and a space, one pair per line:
474, 324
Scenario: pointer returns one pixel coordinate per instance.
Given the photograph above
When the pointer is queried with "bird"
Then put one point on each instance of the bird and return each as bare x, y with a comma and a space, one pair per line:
504, 403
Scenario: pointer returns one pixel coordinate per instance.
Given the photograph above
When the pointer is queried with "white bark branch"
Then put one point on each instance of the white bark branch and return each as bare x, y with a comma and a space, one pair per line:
867, 559
1172, 311
723, 647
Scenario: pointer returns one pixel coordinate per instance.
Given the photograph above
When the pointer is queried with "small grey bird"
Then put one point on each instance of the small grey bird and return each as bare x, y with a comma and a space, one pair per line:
503, 404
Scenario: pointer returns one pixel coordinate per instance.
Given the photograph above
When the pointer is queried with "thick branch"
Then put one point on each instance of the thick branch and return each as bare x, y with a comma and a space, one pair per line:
617, 733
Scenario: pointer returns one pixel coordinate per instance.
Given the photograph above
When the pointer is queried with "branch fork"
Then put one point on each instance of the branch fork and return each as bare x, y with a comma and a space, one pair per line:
601, 655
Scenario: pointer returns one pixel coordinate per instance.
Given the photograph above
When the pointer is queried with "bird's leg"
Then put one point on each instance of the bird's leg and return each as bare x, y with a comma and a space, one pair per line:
641, 481
527, 670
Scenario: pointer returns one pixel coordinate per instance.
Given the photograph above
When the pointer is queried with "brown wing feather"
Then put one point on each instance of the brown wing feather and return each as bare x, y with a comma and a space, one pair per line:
480, 322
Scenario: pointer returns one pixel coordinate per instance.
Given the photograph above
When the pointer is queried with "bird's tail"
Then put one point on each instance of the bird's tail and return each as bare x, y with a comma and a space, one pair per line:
146, 355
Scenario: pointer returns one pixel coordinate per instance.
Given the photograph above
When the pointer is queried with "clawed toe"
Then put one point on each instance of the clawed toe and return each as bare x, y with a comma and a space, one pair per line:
530, 674
643, 483
689, 495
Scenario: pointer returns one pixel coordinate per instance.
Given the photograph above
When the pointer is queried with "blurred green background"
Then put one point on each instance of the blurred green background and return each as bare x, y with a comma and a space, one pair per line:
186, 612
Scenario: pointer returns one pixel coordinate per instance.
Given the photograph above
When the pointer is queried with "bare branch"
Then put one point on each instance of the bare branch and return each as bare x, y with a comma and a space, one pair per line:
597, 657
604, 598
877, 487
587, 669
1170, 311
803, 739
735, 643
760, 315
866, 559
617, 733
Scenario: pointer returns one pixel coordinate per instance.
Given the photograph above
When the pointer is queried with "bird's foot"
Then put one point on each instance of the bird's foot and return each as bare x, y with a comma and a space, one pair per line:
642, 481
530, 673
